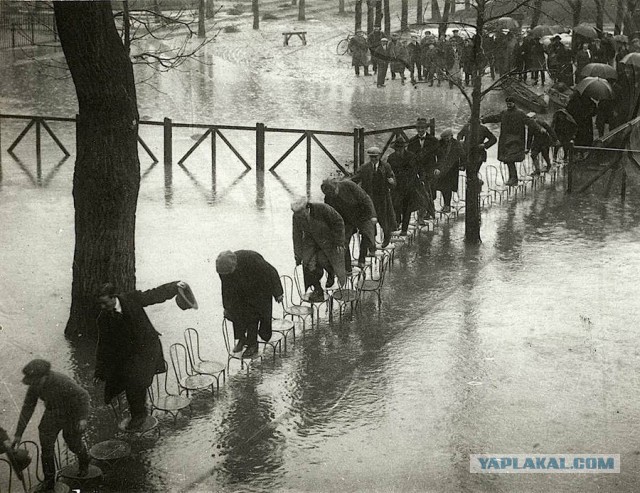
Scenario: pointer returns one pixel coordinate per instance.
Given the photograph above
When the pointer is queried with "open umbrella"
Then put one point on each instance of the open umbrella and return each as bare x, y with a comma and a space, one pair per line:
632, 59
540, 31
601, 70
621, 38
506, 23
586, 30
558, 29
595, 87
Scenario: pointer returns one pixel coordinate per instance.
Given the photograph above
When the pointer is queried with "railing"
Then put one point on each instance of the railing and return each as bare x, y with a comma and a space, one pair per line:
26, 27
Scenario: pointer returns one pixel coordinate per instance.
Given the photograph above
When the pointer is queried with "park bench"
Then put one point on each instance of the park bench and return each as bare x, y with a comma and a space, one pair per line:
301, 34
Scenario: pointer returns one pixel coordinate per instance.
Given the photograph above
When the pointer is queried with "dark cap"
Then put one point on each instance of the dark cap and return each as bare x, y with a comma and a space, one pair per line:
35, 369
421, 122
509, 99
399, 142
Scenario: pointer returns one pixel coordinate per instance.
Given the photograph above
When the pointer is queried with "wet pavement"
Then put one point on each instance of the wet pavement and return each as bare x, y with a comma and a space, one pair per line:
526, 344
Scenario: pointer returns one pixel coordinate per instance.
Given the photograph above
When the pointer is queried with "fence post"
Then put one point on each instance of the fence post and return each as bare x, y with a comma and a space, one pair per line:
308, 134
570, 168
168, 143
260, 138
356, 148
623, 187
432, 125
361, 152
214, 133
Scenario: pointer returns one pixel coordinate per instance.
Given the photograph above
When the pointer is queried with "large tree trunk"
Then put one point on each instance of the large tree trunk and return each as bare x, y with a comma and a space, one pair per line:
629, 21
576, 10
619, 17
107, 171
210, 9
442, 28
378, 20
419, 12
599, 16
535, 15
255, 7
126, 27
370, 16
201, 12
358, 25
301, 10
404, 15
435, 11
387, 17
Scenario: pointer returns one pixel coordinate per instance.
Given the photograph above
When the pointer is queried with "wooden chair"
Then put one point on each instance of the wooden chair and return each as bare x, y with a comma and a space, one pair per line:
199, 365
162, 399
188, 380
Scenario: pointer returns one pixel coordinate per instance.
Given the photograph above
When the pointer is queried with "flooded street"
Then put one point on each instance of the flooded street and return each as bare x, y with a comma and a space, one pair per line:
526, 344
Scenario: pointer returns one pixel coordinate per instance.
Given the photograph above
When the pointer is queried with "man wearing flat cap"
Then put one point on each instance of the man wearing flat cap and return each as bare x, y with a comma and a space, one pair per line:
377, 179
318, 244
357, 211
359, 52
129, 351
66, 410
425, 147
249, 283
512, 140
383, 56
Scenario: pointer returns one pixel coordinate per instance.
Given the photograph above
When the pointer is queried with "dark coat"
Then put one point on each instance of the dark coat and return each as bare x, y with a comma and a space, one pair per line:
582, 109
535, 56
359, 51
400, 56
450, 156
511, 144
486, 140
537, 141
316, 239
129, 351
565, 128
377, 186
583, 58
408, 182
355, 207
415, 53
426, 155
247, 291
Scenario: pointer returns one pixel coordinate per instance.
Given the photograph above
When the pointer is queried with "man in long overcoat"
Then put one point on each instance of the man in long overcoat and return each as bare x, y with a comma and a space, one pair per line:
249, 283
540, 143
582, 109
425, 147
414, 51
129, 352
409, 193
536, 62
359, 53
373, 42
485, 141
377, 179
512, 143
358, 213
450, 160
318, 244
383, 55
400, 57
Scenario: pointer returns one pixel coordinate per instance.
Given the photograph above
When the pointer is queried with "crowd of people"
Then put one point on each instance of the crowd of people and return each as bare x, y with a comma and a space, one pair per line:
432, 58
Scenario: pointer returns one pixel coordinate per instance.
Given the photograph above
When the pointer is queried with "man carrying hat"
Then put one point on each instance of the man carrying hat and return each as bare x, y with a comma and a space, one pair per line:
357, 211
377, 179
511, 143
425, 147
129, 351
318, 244
66, 410
249, 283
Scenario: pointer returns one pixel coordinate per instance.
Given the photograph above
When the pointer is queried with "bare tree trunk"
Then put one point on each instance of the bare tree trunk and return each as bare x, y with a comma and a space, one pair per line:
442, 29
201, 31
387, 17
599, 16
358, 25
378, 20
256, 14
294, 2
576, 10
404, 15
435, 11
619, 17
340, 6
156, 7
467, 4
301, 10
211, 12
106, 177
370, 16
629, 22
419, 12
535, 15
453, 6
126, 26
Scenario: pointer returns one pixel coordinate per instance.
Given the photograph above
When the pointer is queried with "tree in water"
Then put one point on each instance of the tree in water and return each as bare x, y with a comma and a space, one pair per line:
106, 177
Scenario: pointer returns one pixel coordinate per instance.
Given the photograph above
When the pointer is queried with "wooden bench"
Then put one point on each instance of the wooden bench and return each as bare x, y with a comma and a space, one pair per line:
301, 34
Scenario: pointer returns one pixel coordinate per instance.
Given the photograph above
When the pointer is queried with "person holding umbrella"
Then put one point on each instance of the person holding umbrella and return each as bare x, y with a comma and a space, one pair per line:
583, 58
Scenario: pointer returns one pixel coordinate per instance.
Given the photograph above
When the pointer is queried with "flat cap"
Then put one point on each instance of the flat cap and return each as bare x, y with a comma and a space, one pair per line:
35, 369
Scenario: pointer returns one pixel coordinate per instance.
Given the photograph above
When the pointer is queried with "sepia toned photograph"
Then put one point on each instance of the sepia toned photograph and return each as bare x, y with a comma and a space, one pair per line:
319, 246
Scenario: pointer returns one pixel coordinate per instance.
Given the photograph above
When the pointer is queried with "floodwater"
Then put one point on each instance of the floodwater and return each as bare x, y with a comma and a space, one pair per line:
526, 344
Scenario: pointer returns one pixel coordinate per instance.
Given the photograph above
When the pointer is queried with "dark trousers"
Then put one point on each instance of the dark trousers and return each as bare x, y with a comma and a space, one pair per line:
366, 69
565, 147
513, 172
137, 399
382, 72
535, 73
312, 277
446, 197
246, 330
416, 67
544, 152
403, 214
50, 427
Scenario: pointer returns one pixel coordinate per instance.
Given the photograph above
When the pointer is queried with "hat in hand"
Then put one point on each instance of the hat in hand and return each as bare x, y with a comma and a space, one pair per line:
185, 298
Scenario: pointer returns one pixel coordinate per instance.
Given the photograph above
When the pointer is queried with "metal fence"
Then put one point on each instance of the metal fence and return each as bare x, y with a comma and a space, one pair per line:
21, 25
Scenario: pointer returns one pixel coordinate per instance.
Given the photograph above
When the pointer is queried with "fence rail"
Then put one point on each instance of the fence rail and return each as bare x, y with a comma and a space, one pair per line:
20, 26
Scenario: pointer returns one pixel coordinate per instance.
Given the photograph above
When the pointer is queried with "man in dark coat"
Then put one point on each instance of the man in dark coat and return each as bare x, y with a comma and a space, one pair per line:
383, 55
598, 52
425, 147
358, 214
467, 60
318, 244
583, 58
430, 63
565, 129
66, 410
414, 51
399, 57
582, 109
373, 41
511, 145
359, 53
129, 351
450, 160
248, 284
409, 194
540, 143
485, 141
536, 61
